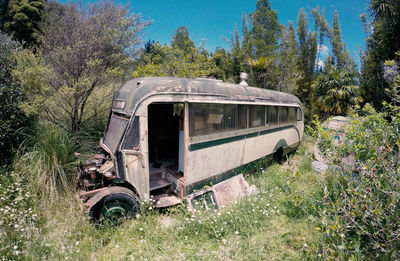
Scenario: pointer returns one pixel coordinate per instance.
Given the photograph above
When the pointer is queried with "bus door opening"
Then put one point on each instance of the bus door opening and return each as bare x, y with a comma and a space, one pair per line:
165, 128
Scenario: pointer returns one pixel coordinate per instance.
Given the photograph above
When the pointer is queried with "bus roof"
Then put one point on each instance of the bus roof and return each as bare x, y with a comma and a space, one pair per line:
136, 90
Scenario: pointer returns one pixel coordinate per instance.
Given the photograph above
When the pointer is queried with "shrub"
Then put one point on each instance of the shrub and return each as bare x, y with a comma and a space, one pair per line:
50, 165
14, 124
360, 208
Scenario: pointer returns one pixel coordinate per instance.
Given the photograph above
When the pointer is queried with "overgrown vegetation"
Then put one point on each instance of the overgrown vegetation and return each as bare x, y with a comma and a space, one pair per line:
277, 223
360, 200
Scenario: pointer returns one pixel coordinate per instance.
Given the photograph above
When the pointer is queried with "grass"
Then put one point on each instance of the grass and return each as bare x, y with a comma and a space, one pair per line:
278, 223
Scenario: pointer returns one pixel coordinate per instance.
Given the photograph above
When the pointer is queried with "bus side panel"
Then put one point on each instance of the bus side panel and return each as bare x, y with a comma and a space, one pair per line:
300, 127
208, 162
213, 160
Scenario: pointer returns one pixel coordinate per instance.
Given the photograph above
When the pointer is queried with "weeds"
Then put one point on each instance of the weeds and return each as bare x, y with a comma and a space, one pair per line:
50, 164
277, 223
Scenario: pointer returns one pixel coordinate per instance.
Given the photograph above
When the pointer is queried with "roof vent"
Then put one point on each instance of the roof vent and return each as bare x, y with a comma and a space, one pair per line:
244, 77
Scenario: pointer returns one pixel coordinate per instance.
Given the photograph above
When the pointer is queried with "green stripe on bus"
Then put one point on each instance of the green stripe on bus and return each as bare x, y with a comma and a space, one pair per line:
212, 143
246, 168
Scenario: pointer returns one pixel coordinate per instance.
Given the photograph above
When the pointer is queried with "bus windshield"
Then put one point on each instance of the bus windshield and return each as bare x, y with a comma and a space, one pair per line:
114, 131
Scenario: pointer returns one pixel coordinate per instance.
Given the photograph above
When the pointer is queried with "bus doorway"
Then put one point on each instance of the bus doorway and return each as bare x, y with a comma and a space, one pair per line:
165, 128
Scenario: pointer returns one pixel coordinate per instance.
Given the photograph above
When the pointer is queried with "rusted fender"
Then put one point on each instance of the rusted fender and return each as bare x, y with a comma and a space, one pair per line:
105, 192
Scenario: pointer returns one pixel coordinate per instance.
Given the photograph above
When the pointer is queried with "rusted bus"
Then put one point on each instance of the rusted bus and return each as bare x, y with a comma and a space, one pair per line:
168, 137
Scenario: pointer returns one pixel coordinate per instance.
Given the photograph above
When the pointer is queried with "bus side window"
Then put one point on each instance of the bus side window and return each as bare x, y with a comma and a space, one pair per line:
242, 117
299, 115
292, 114
272, 115
283, 115
256, 116
132, 136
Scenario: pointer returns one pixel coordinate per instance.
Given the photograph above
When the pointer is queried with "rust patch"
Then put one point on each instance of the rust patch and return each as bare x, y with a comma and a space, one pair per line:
166, 201
88, 194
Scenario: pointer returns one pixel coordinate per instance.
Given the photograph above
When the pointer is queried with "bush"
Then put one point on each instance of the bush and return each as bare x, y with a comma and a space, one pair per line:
360, 208
50, 165
14, 124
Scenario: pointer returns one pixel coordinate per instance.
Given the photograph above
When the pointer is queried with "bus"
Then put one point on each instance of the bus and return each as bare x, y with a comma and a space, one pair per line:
167, 138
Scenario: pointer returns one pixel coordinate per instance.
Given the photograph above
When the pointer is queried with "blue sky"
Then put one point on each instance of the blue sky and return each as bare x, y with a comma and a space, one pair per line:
214, 19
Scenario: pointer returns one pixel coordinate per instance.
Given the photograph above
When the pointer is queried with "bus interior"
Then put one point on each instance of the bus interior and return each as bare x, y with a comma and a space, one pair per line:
165, 129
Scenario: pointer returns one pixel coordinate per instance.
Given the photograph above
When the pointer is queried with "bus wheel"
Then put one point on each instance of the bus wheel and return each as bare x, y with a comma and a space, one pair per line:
116, 207
278, 155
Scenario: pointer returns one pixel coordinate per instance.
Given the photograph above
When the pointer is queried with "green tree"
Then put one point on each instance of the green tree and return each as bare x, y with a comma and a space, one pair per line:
87, 48
173, 61
23, 20
321, 27
382, 43
225, 67
288, 55
181, 39
308, 45
336, 91
260, 69
342, 59
265, 31
14, 124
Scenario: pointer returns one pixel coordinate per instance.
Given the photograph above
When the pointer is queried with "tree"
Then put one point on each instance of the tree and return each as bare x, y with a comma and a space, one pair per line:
382, 44
321, 27
87, 48
265, 31
288, 55
173, 61
336, 91
260, 69
225, 67
23, 19
342, 59
181, 39
13, 121
308, 45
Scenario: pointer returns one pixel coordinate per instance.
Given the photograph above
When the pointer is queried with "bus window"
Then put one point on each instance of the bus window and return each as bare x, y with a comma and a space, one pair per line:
299, 115
198, 121
222, 117
213, 118
256, 116
242, 117
272, 115
283, 114
132, 138
292, 114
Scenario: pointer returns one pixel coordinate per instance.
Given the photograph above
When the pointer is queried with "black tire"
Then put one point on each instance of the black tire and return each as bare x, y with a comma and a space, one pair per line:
114, 208
278, 155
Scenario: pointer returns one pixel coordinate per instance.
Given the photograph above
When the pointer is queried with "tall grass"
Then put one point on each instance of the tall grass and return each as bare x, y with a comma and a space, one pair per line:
279, 223
50, 164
